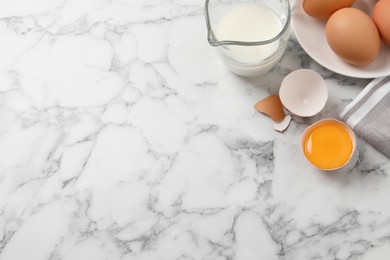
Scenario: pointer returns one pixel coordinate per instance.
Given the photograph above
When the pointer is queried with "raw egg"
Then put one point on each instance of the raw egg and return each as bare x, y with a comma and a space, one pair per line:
353, 36
381, 18
323, 9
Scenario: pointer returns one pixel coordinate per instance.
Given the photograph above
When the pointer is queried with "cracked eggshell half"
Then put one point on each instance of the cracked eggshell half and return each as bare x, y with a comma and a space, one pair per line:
303, 92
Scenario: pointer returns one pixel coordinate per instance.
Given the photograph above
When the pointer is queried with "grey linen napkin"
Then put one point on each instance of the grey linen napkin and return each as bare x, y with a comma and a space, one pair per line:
369, 114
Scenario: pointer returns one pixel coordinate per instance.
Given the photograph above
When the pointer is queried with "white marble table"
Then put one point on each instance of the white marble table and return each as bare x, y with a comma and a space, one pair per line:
123, 136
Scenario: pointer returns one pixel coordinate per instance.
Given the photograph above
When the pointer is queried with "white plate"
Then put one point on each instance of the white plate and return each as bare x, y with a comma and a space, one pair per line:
310, 33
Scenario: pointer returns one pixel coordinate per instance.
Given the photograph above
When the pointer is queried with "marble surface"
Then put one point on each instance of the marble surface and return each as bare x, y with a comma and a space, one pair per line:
123, 136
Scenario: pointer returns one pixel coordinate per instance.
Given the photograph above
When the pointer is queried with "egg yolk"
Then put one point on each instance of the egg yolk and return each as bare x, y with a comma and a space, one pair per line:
328, 146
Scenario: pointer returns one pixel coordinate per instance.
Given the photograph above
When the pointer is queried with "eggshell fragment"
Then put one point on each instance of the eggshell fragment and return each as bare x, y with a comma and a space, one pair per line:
271, 106
303, 92
281, 126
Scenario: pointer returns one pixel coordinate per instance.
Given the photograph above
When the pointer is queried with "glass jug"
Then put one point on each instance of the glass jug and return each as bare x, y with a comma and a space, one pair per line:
250, 35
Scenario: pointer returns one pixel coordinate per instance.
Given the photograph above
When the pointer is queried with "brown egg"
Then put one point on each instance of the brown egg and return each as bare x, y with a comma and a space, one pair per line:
353, 36
381, 17
323, 9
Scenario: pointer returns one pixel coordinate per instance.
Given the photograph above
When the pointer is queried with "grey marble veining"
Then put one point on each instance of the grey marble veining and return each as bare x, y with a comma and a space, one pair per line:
123, 136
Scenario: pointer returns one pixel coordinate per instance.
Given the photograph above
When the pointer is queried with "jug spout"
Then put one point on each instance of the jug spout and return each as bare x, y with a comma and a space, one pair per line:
211, 38
210, 34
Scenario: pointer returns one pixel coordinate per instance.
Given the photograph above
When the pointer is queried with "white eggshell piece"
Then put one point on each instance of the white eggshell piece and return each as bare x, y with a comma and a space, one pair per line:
282, 125
303, 92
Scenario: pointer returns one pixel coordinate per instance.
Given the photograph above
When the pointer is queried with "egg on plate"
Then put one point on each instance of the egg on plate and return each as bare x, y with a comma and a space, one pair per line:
323, 9
353, 36
381, 17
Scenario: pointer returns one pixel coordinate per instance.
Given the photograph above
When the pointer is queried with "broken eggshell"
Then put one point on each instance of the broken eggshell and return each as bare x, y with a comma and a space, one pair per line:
303, 92
272, 106
282, 125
